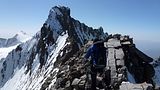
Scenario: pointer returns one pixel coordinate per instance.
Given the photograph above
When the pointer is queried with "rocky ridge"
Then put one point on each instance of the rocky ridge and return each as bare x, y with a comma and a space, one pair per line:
73, 74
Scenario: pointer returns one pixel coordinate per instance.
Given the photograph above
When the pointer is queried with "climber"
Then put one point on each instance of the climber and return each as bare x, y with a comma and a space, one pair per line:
98, 60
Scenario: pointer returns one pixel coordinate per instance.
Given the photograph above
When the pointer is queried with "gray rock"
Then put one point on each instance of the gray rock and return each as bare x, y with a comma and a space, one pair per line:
131, 86
68, 83
120, 62
119, 54
76, 81
82, 85
83, 77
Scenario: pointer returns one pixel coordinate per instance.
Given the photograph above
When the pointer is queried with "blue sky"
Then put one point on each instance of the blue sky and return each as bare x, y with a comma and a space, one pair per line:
138, 18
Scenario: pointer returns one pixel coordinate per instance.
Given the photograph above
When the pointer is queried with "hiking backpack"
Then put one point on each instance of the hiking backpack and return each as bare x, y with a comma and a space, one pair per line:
99, 56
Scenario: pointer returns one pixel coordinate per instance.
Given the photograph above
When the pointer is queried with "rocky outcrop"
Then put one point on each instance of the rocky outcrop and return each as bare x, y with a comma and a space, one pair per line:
131, 86
73, 75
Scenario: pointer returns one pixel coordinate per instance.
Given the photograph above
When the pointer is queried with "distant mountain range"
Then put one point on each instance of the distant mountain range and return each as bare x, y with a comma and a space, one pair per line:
17, 39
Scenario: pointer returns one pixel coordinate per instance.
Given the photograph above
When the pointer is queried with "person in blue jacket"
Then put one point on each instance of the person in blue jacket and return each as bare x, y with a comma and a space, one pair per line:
97, 52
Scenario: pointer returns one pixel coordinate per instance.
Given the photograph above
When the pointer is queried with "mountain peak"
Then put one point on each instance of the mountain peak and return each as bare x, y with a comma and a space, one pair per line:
18, 38
57, 13
59, 10
59, 21
22, 36
22, 32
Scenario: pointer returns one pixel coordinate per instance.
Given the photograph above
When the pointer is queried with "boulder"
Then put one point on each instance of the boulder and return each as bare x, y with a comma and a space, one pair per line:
75, 82
131, 86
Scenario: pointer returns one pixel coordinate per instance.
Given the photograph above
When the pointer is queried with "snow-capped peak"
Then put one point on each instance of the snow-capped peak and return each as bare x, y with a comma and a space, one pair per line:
22, 36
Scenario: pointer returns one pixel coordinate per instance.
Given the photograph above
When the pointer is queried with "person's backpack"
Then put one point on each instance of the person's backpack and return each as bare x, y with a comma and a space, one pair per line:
99, 55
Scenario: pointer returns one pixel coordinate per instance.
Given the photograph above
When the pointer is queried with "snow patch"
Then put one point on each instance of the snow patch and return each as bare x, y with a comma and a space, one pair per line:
61, 43
4, 51
16, 80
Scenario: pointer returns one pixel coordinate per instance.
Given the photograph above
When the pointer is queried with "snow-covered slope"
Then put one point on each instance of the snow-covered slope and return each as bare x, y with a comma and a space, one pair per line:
15, 59
4, 51
3, 54
33, 65
7, 45
23, 81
